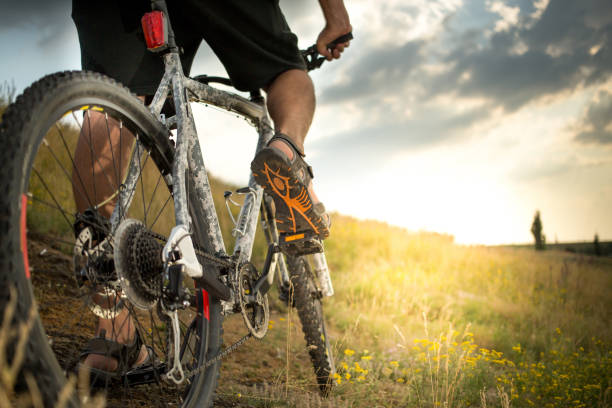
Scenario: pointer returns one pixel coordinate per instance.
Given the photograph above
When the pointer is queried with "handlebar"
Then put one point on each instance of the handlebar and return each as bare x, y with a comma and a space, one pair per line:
311, 56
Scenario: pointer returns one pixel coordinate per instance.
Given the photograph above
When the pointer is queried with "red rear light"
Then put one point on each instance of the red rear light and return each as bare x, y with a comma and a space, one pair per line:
155, 32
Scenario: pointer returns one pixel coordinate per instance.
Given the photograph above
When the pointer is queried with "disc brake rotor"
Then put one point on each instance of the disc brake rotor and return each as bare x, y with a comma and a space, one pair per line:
94, 271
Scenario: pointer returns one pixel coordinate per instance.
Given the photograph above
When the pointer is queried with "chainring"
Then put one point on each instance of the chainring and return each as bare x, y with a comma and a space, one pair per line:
255, 314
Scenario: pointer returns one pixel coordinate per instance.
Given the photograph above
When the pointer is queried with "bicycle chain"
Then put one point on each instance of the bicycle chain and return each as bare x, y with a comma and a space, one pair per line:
230, 349
213, 259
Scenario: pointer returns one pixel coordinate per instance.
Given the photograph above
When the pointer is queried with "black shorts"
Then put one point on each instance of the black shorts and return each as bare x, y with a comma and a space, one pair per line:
250, 37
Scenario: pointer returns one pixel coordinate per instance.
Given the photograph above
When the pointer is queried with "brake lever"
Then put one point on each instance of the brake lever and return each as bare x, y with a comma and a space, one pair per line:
314, 60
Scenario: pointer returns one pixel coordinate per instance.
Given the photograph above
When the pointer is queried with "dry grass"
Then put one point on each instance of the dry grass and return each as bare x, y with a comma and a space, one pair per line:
14, 332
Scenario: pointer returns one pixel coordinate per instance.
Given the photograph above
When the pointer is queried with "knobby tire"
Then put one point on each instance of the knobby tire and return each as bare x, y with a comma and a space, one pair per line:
25, 132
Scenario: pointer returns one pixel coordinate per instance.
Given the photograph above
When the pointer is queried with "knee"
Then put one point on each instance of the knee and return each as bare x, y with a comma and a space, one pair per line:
292, 80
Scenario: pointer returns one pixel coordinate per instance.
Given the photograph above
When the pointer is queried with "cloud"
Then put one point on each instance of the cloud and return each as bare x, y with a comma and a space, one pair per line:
509, 15
536, 50
595, 125
383, 70
48, 19
544, 168
40, 14
385, 139
555, 56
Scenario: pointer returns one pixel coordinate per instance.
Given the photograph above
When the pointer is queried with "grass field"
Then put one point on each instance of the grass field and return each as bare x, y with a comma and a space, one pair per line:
418, 321
425, 322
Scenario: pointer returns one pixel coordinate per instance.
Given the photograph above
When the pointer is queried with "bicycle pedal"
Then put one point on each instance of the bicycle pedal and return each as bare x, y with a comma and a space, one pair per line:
143, 375
301, 243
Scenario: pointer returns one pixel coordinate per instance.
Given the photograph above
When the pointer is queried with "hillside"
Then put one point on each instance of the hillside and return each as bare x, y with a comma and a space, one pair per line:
586, 248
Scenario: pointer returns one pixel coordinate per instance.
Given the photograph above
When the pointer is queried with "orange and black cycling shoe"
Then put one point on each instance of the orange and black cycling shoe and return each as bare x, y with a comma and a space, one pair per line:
286, 181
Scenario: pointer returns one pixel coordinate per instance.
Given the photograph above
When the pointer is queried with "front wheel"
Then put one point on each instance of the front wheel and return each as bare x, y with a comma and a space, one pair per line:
79, 155
307, 300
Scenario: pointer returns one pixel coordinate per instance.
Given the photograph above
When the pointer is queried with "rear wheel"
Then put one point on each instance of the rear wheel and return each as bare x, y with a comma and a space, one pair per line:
68, 142
307, 300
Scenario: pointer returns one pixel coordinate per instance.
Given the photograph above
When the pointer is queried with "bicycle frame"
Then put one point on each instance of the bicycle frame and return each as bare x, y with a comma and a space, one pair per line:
188, 157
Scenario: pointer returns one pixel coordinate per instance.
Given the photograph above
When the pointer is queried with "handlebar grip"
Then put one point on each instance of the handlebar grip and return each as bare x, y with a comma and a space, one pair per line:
342, 39
312, 57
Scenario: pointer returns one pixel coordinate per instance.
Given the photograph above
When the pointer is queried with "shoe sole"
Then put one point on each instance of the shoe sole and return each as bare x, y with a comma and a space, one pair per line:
294, 208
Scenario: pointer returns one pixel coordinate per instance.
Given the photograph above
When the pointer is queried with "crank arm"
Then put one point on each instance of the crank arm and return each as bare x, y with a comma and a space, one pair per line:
264, 283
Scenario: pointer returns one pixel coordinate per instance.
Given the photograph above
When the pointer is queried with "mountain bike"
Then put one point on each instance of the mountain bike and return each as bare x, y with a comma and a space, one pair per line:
144, 247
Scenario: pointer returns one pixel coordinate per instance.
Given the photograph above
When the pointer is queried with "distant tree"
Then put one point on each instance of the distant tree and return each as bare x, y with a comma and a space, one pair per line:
596, 245
536, 230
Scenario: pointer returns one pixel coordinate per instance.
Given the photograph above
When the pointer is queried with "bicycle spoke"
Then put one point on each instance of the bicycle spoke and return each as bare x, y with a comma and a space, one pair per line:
110, 143
142, 192
50, 193
55, 207
93, 167
160, 212
89, 201
97, 158
159, 178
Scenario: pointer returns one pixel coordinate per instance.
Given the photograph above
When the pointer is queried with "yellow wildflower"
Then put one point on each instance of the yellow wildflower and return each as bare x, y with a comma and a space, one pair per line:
400, 380
366, 358
338, 378
349, 352
394, 363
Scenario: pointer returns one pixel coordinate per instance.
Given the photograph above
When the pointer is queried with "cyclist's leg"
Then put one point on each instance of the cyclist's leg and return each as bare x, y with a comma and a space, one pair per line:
291, 104
101, 158
260, 32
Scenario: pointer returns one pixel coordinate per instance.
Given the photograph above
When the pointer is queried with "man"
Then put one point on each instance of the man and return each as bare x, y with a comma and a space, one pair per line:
258, 50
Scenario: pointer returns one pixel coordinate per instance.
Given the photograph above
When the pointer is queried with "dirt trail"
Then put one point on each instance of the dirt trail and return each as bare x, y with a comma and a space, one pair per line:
261, 369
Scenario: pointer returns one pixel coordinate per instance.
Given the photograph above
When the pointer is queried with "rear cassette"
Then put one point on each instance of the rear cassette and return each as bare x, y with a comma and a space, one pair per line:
138, 262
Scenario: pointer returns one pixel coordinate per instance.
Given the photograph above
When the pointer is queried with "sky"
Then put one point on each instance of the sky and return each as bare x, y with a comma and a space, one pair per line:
454, 116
